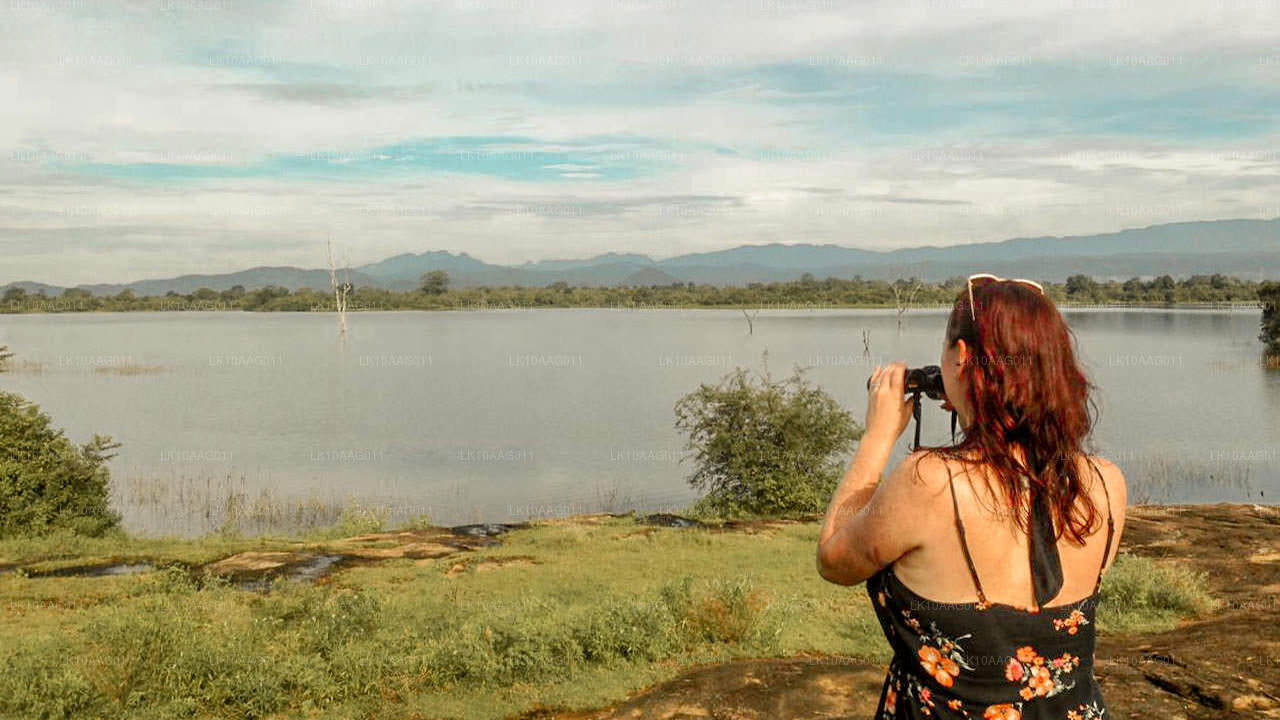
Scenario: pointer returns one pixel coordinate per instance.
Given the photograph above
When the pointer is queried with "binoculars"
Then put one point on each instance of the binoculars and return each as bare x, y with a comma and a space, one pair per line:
925, 380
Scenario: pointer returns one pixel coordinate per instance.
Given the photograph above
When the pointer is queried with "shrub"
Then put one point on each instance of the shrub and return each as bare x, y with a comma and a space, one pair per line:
46, 482
762, 447
729, 611
1141, 594
37, 681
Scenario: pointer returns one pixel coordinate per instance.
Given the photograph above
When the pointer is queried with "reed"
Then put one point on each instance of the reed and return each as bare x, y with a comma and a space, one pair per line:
1156, 479
225, 505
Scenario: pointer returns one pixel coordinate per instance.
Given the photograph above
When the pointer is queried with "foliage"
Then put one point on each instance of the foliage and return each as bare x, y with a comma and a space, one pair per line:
46, 482
763, 447
807, 291
435, 282
1269, 298
1140, 594
5, 356
181, 651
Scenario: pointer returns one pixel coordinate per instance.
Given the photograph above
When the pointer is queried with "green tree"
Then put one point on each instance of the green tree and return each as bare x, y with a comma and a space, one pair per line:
46, 482
14, 295
763, 447
434, 282
1081, 287
4, 357
265, 295
1269, 298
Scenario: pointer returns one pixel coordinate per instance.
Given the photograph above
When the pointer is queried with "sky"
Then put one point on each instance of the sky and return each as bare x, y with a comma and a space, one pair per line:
158, 137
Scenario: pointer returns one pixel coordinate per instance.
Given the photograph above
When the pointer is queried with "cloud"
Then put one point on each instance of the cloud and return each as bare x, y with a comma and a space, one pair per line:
232, 133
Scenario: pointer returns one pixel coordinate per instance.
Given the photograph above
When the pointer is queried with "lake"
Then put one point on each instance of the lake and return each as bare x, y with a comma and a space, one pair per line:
502, 415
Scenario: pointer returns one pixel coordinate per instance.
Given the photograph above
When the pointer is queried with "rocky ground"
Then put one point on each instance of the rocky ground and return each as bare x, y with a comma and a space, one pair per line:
1225, 664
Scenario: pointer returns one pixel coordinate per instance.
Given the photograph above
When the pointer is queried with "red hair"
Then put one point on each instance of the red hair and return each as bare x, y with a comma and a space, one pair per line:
1026, 390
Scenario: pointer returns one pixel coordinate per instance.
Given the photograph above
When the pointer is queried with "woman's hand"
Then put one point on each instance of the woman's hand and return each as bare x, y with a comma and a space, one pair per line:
887, 411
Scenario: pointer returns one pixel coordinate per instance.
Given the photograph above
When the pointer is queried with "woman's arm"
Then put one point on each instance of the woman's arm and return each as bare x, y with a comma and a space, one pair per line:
861, 536
858, 486
863, 529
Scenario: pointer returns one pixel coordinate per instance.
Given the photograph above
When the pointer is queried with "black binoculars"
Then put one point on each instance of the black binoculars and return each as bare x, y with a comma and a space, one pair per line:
925, 380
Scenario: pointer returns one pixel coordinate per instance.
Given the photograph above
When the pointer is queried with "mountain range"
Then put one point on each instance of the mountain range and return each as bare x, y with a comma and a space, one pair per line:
1244, 248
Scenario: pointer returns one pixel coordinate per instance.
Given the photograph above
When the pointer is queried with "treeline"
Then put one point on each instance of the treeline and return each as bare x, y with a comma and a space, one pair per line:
436, 294
1269, 299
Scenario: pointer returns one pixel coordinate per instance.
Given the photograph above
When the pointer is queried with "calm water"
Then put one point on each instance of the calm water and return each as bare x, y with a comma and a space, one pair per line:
502, 415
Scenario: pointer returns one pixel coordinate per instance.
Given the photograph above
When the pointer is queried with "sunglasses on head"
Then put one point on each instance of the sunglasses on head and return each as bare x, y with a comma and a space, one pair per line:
995, 278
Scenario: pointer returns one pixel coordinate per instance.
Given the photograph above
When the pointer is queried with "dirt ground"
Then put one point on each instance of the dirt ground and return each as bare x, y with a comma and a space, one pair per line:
1225, 664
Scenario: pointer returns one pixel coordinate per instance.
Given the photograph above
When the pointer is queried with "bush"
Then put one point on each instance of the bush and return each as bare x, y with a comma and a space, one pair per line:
1142, 594
46, 482
37, 681
765, 448
730, 611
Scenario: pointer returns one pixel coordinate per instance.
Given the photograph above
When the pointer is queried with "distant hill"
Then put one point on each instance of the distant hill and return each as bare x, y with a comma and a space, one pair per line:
250, 279
1245, 248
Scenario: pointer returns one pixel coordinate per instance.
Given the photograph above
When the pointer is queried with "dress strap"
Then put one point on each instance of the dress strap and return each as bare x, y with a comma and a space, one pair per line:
973, 572
1106, 553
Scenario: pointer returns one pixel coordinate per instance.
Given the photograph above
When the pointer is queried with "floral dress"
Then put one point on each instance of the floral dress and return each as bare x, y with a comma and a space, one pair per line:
991, 660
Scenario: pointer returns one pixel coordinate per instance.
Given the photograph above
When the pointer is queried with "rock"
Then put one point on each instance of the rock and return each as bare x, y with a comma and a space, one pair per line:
1252, 702
486, 529
669, 520
255, 562
1267, 555
416, 550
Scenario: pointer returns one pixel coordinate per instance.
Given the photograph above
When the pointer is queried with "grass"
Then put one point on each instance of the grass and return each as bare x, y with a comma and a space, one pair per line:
1141, 594
1156, 479
605, 609
224, 505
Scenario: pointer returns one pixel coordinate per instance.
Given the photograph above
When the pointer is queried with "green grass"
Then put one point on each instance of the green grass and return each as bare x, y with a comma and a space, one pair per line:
598, 612
1141, 594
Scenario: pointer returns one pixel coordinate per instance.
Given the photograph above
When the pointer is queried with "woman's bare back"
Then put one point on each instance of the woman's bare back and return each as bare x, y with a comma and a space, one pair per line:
937, 569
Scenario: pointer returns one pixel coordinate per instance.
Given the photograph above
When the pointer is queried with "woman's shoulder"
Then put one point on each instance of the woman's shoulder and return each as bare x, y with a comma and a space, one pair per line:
1110, 473
936, 469
931, 467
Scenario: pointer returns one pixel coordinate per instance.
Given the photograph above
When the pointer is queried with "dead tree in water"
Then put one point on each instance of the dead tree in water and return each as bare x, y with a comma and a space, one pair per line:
340, 292
751, 328
904, 304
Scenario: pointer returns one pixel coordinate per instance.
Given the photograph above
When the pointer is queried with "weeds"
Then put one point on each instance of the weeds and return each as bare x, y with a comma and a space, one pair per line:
178, 648
1140, 594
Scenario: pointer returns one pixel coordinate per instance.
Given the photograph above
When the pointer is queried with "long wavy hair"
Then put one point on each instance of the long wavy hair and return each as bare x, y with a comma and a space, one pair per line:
1027, 391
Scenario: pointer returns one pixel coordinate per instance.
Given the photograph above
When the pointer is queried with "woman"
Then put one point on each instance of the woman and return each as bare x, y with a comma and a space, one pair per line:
983, 559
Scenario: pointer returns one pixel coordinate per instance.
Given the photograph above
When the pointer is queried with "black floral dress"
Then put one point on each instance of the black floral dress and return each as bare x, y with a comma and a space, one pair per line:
991, 660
